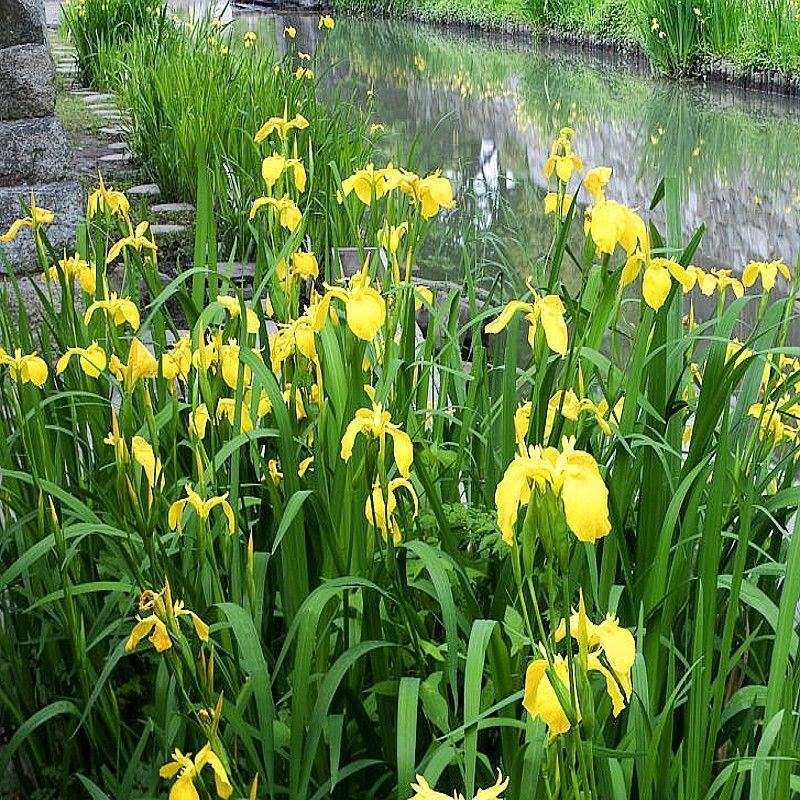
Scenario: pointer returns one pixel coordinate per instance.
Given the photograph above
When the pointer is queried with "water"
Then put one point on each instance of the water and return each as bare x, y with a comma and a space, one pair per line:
485, 110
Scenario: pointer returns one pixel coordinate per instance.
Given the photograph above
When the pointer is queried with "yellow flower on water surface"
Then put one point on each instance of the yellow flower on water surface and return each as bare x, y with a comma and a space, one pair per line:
141, 364
120, 309
272, 167
380, 515
562, 160
36, 218
290, 31
187, 770
201, 507
73, 268
551, 203
92, 359
423, 791
767, 271
326, 21
249, 39
165, 612
657, 280
226, 408
547, 310
289, 214
364, 306
142, 452
375, 423
595, 181
198, 420
177, 361
107, 198
281, 126
135, 239
611, 224
232, 306
25, 368
571, 475
390, 235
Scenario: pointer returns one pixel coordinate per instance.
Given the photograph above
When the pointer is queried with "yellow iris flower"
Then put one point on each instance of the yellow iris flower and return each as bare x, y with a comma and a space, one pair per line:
607, 648
364, 306
289, 215
92, 359
135, 239
120, 309
390, 235
272, 167
187, 770
226, 408
551, 203
547, 310
292, 337
35, 218
423, 791
25, 368
657, 280
326, 21
74, 268
141, 364
142, 452
376, 423
611, 224
165, 612
198, 420
562, 160
595, 181
281, 126
367, 183
291, 32
572, 475
201, 507
249, 39
571, 407
383, 516
108, 198
231, 305
177, 361
767, 271
302, 265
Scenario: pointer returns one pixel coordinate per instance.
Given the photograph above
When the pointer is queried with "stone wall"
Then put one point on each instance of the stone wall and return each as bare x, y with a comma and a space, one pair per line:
34, 153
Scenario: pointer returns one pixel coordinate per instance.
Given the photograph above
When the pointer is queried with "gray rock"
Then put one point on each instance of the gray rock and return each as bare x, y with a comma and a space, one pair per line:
117, 146
167, 230
22, 22
172, 208
65, 199
27, 75
33, 151
144, 190
115, 158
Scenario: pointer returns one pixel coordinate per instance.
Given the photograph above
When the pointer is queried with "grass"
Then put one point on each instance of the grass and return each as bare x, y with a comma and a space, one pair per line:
763, 34
377, 597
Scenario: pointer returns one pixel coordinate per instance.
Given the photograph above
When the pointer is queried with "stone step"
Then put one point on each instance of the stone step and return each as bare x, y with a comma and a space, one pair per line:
144, 190
115, 158
167, 229
172, 208
95, 97
117, 146
111, 130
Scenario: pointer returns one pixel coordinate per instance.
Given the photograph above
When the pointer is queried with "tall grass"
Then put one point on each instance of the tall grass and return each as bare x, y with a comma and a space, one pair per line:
339, 661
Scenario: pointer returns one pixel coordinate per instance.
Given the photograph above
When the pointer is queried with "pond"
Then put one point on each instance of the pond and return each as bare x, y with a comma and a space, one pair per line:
485, 109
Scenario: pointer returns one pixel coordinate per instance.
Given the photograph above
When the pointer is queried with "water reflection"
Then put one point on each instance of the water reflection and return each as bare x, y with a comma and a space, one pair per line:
485, 110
